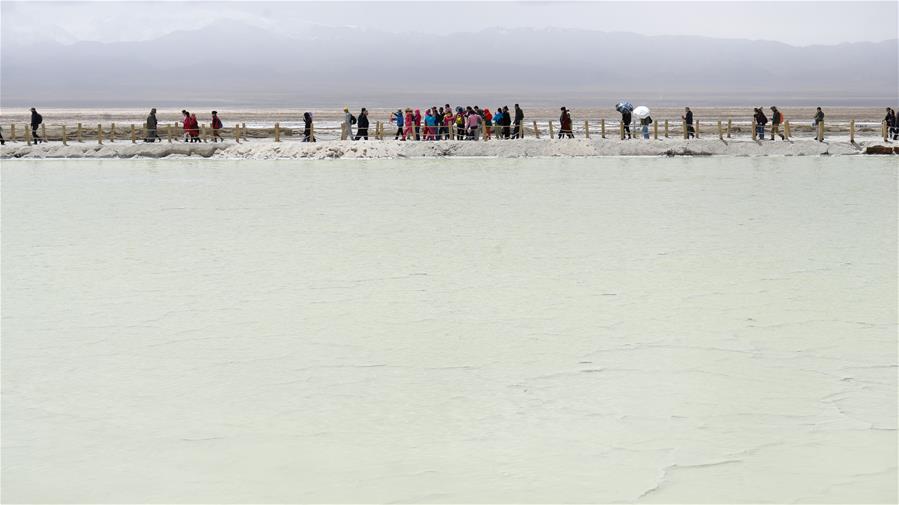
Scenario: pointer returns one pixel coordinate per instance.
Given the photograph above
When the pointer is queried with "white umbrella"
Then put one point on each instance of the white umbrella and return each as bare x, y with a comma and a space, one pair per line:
641, 111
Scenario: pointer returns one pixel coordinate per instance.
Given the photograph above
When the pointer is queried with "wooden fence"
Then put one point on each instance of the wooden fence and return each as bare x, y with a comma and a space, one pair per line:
380, 130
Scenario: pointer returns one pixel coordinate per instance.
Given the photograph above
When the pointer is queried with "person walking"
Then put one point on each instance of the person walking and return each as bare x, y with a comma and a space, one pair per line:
397, 117
776, 120
362, 125
2, 141
688, 120
819, 120
408, 122
417, 120
36, 120
474, 123
626, 121
488, 123
892, 124
644, 126
152, 125
448, 123
194, 128
760, 121
498, 120
349, 120
308, 136
185, 124
565, 124
519, 117
216, 125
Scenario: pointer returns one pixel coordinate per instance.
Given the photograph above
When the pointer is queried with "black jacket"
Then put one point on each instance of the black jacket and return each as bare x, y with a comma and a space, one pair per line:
362, 122
689, 117
151, 122
36, 118
519, 115
626, 117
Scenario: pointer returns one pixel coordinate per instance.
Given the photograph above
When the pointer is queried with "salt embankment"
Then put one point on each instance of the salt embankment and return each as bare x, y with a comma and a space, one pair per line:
527, 148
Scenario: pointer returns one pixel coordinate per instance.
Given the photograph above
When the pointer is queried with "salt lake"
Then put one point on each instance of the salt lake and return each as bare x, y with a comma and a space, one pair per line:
717, 329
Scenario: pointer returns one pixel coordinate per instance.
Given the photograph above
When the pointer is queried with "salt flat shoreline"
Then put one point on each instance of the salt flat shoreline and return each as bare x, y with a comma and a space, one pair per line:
526, 148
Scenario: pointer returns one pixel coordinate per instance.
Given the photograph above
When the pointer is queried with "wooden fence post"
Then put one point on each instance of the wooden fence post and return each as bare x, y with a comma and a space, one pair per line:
728, 127
12, 132
787, 129
277, 132
235, 131
852, 131
602, 127
112, 133
621, 129
821, 131
884, 130
243, 131
64, 142
133, 135
696, 133
99, 133
586, 128
683, 125
79, 133
551, 136
169, 132
755, 135
666, 128
720, 131
44, 132
655, 130
27, 135
536, 131
312, 133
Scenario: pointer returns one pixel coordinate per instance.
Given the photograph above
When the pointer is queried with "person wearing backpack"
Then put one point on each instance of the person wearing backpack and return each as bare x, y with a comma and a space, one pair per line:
776, 120
216, 126
36, 120
349, 120
362, 130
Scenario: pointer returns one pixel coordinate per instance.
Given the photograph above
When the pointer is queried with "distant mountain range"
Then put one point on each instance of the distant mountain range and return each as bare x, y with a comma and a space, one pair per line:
237, 64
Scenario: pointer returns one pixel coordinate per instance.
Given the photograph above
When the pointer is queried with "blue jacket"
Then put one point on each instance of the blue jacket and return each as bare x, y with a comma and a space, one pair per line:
398, 117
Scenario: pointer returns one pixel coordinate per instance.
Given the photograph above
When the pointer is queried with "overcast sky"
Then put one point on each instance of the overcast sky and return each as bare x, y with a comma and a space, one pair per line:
797, 23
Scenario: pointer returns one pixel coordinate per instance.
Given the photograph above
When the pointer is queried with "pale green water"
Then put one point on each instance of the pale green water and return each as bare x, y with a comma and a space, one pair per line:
545, 330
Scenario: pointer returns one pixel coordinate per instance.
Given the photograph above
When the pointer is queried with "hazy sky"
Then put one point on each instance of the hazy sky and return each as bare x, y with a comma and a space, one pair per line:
797, 23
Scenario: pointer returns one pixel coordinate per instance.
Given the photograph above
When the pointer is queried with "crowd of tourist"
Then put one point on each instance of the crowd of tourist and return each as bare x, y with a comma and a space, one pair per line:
468, 123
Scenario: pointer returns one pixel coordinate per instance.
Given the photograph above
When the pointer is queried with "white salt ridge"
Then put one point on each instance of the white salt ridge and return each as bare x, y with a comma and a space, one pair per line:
527, 148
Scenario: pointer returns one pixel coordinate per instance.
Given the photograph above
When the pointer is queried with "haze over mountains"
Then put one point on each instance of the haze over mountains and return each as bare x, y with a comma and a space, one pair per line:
237, 64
